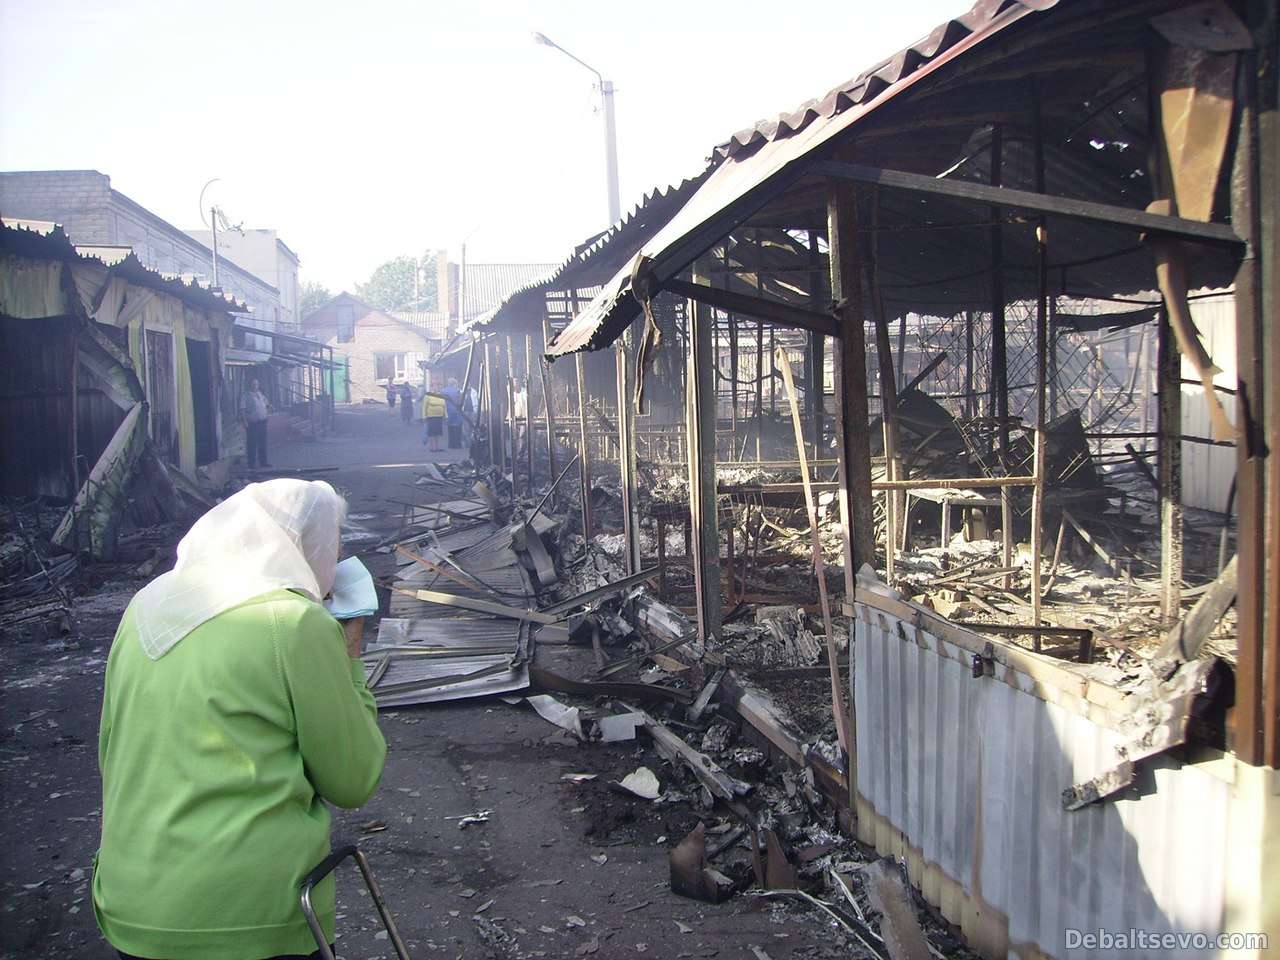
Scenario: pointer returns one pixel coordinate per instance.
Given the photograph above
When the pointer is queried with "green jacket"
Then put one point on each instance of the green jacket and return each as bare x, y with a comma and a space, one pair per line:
216, 760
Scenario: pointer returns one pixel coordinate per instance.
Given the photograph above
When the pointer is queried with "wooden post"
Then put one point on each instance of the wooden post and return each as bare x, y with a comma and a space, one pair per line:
700, 414
838, 705
1170, 459
760, 348
584, 449
528, 408
999, 385
627, 452
888, 396
548, 395
511, 450
853, 450
73, 414
491, 401
1255, 718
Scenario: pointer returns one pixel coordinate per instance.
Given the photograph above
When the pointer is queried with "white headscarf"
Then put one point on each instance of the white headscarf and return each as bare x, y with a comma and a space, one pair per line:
281, 534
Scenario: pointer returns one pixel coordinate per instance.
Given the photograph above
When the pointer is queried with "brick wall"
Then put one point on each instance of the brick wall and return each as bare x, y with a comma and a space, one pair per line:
375, 333
92, 213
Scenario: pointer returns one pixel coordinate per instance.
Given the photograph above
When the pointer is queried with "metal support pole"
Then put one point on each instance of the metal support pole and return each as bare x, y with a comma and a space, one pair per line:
700, 412
1042, 346
970, 408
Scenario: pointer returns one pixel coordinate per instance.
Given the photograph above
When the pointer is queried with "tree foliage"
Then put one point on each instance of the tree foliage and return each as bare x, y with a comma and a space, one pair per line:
391, 285
311, 297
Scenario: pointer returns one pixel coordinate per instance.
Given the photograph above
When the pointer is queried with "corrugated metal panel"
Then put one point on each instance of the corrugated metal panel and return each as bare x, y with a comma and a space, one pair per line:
1207, 471
870, 83
749, 178
962, 778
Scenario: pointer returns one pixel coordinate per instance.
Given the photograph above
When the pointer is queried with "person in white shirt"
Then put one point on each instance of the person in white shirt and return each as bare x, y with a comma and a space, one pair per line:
253, 414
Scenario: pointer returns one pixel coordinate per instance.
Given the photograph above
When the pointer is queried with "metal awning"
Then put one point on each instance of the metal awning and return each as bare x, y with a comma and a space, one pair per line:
234, 357
747, 180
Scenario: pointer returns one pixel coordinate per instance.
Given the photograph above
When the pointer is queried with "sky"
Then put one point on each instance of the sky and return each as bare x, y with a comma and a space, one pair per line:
363, 131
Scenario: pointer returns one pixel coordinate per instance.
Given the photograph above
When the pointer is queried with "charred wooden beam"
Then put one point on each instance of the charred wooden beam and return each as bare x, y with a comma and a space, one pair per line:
742, 303
1047, 204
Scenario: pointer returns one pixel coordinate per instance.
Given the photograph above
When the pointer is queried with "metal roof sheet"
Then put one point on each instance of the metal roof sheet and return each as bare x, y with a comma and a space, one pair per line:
767, 160
595, 259
43, 240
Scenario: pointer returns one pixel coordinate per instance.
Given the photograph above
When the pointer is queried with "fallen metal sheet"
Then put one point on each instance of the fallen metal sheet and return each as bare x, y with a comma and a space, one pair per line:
619, 727
609, 589
511, 583
425, 661
639, 691
553, 711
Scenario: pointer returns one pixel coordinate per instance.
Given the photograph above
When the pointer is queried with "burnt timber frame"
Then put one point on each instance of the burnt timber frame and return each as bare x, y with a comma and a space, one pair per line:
1105, 213
741, 303
700, 414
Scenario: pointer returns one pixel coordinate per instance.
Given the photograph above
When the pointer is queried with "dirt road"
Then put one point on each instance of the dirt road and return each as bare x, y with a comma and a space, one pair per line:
558, 870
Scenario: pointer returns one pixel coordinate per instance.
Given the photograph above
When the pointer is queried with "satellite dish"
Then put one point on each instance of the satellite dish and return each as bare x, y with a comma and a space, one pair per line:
204, 211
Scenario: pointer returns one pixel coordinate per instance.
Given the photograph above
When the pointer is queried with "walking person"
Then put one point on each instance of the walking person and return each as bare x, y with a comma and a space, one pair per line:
433, 412
453, 397
406, 404
234, 709
253, 414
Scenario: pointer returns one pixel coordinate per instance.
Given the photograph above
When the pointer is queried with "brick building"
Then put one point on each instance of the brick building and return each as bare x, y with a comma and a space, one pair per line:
377, 348
93, 213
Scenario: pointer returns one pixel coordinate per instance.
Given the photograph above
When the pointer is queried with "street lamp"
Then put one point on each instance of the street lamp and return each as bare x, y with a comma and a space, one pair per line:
610, 130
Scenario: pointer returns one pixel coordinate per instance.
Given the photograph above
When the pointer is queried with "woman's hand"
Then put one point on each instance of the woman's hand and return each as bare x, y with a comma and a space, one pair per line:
354, 630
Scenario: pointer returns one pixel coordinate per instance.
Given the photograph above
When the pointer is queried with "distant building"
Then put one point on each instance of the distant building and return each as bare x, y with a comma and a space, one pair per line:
267, 257
92, 213
377, 348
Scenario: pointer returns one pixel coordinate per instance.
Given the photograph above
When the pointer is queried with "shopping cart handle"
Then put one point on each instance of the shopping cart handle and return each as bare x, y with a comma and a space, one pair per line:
327, 866
322, 870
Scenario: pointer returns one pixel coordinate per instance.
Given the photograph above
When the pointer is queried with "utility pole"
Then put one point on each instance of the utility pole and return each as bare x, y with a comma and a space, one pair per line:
213, 221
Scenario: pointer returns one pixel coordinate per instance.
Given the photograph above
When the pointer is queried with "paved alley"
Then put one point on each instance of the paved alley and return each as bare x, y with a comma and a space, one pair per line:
558, 870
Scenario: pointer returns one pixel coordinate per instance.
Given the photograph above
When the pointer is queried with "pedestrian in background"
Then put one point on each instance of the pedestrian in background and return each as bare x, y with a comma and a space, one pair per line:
253, 414
433, 412
453, 397
406, 404
235, 708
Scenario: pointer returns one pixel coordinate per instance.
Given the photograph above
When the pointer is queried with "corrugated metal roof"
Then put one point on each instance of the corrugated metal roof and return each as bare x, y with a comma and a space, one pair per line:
433, 323
767, 160
485, 285
869, 84
48, 241
595, 259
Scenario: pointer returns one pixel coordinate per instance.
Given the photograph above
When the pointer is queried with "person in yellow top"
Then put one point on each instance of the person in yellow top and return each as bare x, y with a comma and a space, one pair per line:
433, 412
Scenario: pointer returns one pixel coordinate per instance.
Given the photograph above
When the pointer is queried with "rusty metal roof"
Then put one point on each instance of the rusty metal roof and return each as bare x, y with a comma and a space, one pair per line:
986, 16
760, 164
39, 242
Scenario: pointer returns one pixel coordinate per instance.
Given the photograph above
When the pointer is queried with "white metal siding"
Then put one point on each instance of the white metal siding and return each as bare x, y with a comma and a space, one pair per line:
971, 772
1207, 471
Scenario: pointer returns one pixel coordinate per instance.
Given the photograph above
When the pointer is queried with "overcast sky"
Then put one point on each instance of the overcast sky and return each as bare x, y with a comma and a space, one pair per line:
365, 130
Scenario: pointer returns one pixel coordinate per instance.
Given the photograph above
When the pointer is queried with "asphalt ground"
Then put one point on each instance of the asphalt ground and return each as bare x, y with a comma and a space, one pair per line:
558, 869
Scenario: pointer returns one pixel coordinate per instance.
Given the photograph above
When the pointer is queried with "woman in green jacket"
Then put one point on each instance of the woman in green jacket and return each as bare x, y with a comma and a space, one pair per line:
234, 707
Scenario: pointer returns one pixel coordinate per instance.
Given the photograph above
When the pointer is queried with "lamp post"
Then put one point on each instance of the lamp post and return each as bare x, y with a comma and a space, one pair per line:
610, 129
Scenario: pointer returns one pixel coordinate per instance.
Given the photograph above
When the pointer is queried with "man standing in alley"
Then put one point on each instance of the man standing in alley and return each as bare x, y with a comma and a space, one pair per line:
253, 414
453, 415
